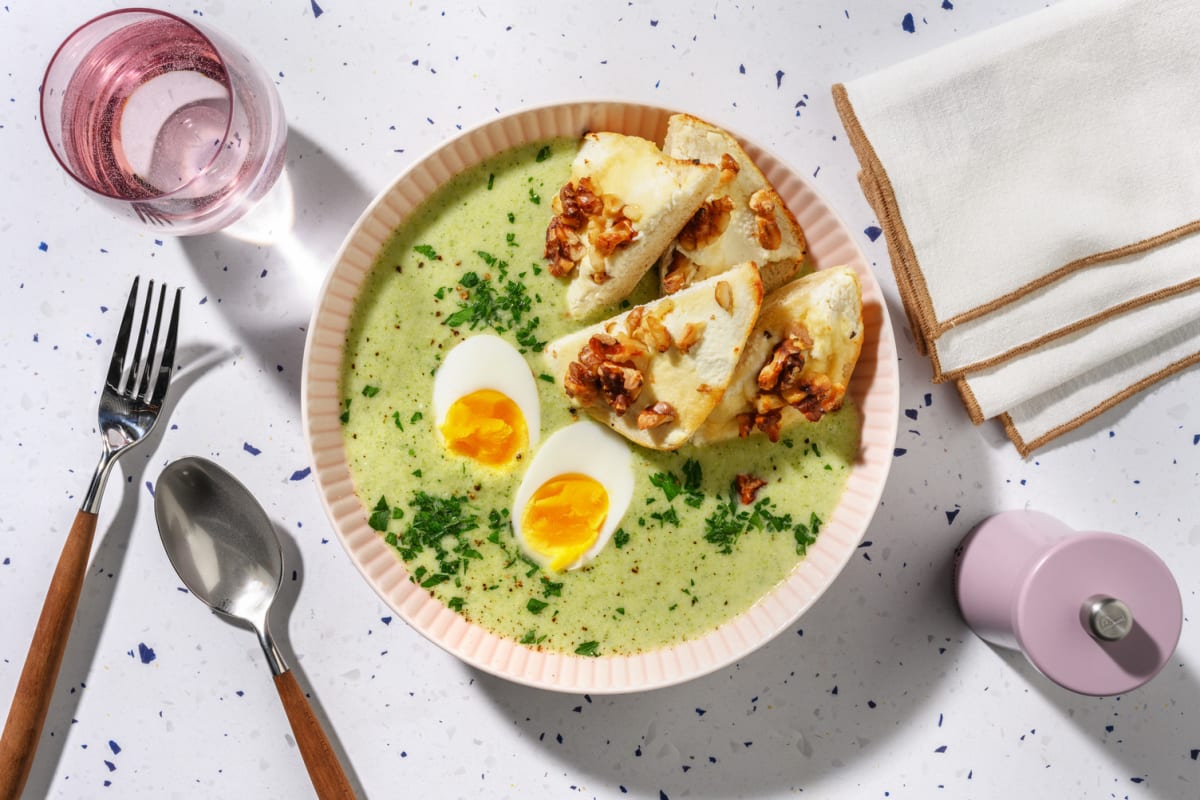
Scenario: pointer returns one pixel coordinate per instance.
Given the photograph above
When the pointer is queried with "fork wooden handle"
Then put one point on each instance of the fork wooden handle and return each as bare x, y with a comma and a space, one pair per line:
18, 744
324, 769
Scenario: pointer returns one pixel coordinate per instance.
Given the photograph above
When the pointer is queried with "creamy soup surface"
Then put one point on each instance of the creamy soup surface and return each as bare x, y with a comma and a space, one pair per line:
687, 555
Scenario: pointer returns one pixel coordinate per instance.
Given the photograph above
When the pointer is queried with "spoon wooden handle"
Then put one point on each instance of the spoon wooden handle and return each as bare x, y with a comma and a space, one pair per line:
324, 769
35, 687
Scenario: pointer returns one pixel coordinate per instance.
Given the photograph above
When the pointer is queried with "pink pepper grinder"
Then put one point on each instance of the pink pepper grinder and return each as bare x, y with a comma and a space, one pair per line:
1096, 613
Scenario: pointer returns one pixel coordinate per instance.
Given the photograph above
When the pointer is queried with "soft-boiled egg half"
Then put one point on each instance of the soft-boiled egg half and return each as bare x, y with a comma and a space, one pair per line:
485, 403
573, 496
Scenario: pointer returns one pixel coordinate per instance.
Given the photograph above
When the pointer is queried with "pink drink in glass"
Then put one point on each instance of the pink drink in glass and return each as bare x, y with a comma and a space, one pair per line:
169, 124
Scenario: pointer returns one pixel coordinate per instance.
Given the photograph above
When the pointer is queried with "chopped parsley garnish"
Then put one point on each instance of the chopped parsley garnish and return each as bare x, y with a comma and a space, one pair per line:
546, 378
690, 487
498, 302
416, 417
426, 251
550, 588
370, 391
440, 524
510, 239
396, 419
620, 538
726, 525
455, 604
591, 648
512, 217
491, 180
668, 517
345, 417
531, 637
535, 198
535, 606
380, 515
543, 154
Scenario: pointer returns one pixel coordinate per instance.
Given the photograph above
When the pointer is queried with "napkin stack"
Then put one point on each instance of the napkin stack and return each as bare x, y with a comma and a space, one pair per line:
1039, 188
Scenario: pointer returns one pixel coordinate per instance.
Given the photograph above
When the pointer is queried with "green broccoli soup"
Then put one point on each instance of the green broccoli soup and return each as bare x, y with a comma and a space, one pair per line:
687, 554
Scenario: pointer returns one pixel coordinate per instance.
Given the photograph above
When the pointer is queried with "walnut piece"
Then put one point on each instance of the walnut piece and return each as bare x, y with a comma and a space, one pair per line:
606, 372
564, 249
581, 210
707, 224
679, 274
729, 168
782, 382
660, 413
766, 229
724, 296
747, 487
690, 335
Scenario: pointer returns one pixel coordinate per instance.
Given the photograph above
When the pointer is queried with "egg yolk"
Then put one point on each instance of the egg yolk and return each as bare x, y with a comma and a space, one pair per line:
486, 426
562, 519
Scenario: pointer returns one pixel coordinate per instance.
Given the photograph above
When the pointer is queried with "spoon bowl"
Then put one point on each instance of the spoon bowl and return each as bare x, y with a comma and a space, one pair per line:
227, 553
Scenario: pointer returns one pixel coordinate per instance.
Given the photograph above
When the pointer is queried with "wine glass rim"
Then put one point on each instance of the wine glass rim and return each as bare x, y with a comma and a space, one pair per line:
227, 86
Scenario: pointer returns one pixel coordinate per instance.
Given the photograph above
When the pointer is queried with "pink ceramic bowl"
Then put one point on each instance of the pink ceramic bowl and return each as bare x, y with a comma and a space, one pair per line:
874, 388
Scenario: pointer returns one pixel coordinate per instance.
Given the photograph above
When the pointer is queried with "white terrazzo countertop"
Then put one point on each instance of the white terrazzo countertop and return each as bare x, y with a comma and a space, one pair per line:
880, 691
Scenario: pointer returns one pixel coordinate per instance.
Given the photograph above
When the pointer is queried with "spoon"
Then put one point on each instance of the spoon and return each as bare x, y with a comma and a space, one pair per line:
226, 551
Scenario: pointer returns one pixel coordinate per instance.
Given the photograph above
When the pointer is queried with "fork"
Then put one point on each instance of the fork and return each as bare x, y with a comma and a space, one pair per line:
130, 405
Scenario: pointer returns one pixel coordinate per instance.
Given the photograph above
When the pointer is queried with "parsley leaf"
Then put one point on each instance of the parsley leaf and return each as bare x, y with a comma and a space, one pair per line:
345, 417
620, 538
370, 391
543, 154
426, 251
531, 637
535, 606
551, 589
396, 419
380, 515
668, 483
495, 302
591, 648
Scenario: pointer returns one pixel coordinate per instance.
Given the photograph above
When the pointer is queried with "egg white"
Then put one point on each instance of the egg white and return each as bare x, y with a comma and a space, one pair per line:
487, 362
588, 449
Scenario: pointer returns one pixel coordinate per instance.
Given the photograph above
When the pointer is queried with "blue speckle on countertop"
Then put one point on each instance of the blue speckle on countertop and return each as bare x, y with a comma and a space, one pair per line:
251, 449
316, 9
872, 232
908, 23
116, 748
43, 246
301, 474
146, 654
951, 514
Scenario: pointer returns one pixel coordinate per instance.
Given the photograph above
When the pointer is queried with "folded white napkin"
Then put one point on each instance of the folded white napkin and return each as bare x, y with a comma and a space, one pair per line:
1039, 187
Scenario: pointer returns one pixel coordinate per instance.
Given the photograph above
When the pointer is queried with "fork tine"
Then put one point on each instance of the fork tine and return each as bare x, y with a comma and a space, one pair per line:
168, 354
144, 384
117, 365
135, 368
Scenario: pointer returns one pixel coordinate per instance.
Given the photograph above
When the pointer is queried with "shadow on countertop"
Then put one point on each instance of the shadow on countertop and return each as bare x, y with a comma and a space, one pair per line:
266, 275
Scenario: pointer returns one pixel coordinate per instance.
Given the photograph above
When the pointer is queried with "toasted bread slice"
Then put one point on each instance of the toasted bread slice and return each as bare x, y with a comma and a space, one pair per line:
798, 360
744, 219
655, 373
624, 204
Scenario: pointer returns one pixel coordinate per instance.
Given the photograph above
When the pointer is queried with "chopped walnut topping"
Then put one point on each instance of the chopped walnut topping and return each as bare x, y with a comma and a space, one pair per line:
660, 413
633, 320
708, 223
729, 168
607, 239
768, 234
581, 210
782, 382
691, 334
747, 487
679, 274
724, 296
766, 229
657, 335
619, 385
606, 371
564, 249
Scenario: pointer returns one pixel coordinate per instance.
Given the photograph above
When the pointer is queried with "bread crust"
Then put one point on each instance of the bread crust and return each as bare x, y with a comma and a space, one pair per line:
643, 192
759, 226
827, 304
708, 324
